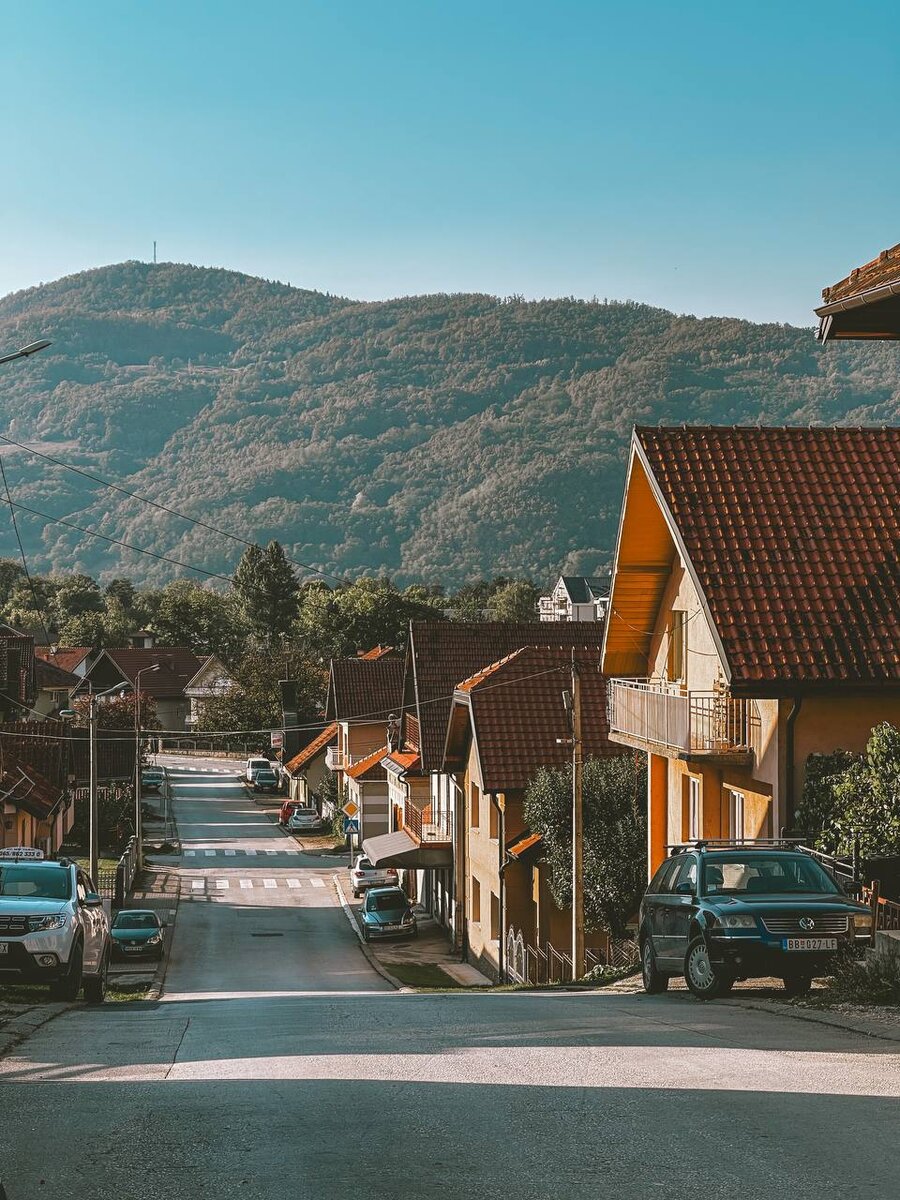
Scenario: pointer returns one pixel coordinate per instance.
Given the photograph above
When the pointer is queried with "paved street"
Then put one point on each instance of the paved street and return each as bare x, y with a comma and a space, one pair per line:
278, 1064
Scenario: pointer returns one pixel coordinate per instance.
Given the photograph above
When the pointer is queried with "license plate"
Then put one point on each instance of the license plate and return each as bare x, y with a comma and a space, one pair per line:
4, 947
799, 943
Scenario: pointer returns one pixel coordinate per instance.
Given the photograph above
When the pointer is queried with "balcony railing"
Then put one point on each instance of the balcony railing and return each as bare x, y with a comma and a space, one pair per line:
660, 713
427, 824
335, 760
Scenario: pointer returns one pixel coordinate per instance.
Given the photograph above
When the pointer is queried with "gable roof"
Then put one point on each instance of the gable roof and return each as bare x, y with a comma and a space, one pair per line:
65, 657
48, 675
517, 715
866, 304
370, 768
313, 749
442, 653
794, 539
178, 666
364, 688
209, 666
584, 589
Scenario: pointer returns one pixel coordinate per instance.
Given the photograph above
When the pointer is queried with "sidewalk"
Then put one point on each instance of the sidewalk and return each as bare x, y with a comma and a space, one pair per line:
427, 961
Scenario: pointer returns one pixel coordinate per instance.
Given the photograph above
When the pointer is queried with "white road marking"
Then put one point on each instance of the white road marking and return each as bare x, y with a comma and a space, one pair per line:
316, 882
196, 885
271, 852
210, 853
270, 883
231, 852
246, 883
293, 883
190, 853
222, 883
173, 913
249, 851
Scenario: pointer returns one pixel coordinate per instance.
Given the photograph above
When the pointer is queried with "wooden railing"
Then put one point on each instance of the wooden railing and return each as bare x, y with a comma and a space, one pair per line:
661, 714
885, 913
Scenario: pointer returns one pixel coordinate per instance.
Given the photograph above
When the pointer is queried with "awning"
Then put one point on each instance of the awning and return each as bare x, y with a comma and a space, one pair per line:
400, 850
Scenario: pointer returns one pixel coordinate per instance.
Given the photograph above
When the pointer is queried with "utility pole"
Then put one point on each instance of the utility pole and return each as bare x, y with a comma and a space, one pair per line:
94, 836
577, 830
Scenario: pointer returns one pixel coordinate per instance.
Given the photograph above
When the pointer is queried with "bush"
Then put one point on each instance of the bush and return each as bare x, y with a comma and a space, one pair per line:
874, 979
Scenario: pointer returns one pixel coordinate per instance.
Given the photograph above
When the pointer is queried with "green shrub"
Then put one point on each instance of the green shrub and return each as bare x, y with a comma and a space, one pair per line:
874, 979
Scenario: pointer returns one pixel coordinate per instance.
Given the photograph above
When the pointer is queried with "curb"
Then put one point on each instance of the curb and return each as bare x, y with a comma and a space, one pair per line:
373, 962
775, 1008
157, 984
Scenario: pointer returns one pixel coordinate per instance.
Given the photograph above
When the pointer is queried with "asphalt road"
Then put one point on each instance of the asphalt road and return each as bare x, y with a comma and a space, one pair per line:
278, 1065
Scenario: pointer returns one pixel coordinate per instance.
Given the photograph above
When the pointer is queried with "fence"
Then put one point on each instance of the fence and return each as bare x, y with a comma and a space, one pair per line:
115, 884
535, 965
885, 913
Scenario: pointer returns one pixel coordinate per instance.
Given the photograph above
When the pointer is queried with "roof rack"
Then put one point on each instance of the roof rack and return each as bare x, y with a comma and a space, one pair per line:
787, 843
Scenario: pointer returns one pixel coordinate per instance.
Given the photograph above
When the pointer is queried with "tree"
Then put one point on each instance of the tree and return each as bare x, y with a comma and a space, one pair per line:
10, 574
253, 704
336, 622
117, 711
75, 595
513, 601
266, 589
89, 629
615, 835
121, 591
189, 614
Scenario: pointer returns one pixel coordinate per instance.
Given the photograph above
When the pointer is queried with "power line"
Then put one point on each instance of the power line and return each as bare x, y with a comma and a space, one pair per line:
173, 512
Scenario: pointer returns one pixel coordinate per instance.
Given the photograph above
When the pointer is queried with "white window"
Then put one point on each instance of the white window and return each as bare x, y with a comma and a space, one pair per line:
735, 814
693, 808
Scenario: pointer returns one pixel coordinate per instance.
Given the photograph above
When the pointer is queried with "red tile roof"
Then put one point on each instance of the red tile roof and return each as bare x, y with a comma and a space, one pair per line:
66, 657
48, 675
375, 653
881, 270
405, 760
178, 667
317, 746
518, 715
794, 535
442, 653
23, 786
364, 688
369, 768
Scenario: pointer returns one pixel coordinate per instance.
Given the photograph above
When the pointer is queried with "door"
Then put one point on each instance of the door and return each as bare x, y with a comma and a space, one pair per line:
677, 910
93, 923
657, 901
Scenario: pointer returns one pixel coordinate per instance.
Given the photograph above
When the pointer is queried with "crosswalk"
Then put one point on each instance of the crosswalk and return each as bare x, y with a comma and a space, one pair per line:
204, 884
250, 853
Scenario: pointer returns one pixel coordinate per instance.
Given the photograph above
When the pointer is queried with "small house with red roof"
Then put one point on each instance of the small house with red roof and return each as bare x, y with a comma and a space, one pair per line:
163, 672
307, 769
754, 617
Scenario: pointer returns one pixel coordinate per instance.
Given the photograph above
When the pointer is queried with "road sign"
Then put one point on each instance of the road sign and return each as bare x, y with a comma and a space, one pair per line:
351, 824
277, 739
350, 809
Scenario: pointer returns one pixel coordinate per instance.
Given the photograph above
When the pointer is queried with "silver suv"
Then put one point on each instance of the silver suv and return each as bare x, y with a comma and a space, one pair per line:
53, 928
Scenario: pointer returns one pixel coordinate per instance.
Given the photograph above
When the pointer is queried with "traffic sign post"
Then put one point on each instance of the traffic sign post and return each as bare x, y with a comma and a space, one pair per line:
351, 825
350, 809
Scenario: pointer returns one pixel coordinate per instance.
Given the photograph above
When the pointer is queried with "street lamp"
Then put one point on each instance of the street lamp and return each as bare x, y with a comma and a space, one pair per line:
138, 816
94, 834
26, 351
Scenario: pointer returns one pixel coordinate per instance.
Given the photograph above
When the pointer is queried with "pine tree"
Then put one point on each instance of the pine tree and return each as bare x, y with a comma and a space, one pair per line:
266, 589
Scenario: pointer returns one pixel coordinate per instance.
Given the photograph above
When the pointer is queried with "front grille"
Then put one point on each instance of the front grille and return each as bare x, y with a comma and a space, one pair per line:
14, 925
824, 923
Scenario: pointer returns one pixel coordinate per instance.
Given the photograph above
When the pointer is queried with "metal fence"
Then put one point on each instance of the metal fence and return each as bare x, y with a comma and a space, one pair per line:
545, 964
115, 884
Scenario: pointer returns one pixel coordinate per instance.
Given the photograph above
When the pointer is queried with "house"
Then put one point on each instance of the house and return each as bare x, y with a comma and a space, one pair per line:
75, 659
365, 783
53, 686
866, 304
753, 617
307, 770
36, 777
165, 672
212, 679
18, 690
506, 722
576, 598
422, 794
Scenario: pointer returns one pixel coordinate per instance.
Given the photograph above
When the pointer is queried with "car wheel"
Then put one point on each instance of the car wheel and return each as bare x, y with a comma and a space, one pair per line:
797, 985
69, 987
365, 934
653, 979
705, 980
95, 986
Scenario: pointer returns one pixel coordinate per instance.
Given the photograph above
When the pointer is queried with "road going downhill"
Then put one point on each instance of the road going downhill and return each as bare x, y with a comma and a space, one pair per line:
279, 1065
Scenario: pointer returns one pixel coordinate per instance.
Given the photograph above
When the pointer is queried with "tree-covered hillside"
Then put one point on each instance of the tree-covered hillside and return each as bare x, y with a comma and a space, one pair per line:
434, 438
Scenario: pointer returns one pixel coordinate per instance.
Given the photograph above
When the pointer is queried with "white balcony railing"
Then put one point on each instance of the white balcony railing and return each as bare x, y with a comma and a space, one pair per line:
660, 713
428, 824
335, 760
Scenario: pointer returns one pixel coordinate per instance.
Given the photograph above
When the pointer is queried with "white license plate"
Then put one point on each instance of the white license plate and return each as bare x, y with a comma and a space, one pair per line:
810, 943
4, 947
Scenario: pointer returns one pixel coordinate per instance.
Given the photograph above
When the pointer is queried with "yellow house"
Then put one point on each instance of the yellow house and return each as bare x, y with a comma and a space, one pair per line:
753, 617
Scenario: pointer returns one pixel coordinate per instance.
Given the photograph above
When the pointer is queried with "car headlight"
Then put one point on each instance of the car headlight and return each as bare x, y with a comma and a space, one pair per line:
56, 921
862, 922
154, 939
408, 919
737, 921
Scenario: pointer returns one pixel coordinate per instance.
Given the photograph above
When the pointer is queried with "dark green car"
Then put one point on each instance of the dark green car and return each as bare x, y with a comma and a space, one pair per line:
717, 913
386, 913
137, 933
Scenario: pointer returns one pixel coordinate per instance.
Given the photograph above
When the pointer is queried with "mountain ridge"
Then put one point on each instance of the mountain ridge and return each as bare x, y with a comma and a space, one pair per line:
436, 438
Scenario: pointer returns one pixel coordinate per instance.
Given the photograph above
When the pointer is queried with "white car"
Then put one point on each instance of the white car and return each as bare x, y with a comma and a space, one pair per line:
303, 818
254, 765
53, 928
364, 876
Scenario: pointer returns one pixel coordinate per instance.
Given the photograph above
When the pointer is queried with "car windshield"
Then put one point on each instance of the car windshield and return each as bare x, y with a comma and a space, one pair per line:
386, 901
363, 864
136, 920
750, 874
38, 883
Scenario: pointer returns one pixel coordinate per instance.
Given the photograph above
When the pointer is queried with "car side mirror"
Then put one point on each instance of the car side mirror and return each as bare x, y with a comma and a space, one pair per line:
92, 900
685, 889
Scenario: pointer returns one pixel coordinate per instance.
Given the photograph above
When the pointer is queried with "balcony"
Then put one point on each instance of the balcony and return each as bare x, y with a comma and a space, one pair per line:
427, 824
337, 760
656, 715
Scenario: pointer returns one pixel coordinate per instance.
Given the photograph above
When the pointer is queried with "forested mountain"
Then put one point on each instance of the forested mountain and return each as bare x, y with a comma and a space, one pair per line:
434, 438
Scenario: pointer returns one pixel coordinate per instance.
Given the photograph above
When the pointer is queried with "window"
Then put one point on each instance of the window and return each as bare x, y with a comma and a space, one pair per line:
494, 829
476, 899
735, 813
664, 879
474, 806
694, 825
495, 917
687, 874
677, 633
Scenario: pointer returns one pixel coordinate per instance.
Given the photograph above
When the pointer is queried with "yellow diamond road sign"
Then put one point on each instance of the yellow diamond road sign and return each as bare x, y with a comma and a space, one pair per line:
350, 809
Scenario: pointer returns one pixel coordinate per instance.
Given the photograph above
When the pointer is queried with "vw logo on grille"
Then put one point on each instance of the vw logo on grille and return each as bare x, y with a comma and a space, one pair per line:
806, 923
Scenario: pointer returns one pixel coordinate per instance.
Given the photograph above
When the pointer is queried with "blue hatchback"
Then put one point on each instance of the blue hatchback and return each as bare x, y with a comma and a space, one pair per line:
386, 913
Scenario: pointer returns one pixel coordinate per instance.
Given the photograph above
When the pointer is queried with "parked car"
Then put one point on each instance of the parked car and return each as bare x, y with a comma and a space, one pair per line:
264, 780
286, 809
53, 928
364, 876
303, 819
137, 933
152, 779
258, 763
386, 913
717, 913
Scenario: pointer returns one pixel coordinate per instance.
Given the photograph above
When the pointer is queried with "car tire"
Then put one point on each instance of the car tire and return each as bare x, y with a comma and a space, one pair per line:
797, 985
95, 985
69, 987
654, 980
704, 979
365, 934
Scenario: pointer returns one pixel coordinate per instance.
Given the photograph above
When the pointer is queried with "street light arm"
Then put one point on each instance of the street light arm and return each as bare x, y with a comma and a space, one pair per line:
26, 351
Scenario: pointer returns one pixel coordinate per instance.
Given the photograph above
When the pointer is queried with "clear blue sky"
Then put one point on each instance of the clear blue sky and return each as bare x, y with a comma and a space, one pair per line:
707, 157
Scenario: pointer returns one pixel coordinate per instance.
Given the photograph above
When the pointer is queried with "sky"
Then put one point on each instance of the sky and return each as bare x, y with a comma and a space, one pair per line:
711, 158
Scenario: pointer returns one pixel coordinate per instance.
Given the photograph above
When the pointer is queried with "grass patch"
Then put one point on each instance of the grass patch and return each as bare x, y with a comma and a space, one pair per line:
24, 993
126, 993
422, 975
